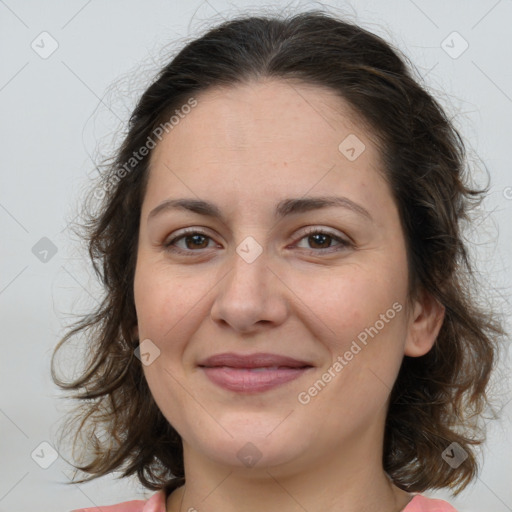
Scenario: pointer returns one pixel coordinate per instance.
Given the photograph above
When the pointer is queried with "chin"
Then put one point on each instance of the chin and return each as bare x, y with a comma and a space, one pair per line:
253, 454
256, 443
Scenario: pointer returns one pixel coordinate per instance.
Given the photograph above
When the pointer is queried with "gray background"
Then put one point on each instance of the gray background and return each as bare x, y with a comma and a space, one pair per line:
59, 110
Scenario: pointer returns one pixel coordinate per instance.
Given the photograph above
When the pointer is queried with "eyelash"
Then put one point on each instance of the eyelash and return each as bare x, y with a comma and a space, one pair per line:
343, 244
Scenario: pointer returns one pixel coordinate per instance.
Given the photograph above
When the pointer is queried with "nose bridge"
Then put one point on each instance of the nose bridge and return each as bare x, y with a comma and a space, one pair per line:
245, 298
248, 268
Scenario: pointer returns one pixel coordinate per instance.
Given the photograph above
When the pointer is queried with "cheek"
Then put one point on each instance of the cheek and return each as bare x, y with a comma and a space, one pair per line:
365, 340
360, 320
162, 299
170, 308
348, 300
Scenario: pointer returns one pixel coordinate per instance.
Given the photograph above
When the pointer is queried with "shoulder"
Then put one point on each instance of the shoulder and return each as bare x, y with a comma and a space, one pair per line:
421, 503
155, 504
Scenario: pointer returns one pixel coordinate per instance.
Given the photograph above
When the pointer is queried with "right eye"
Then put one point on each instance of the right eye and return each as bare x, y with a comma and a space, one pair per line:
192, 238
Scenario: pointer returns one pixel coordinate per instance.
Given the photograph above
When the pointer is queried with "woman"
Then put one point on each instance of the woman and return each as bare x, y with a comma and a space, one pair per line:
289, 321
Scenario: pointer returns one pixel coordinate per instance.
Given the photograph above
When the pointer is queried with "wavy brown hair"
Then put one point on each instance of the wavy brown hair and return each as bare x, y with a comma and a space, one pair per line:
436, 397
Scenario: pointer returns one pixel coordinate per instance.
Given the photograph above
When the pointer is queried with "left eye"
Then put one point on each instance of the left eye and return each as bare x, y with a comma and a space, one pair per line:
323, 238
198, 240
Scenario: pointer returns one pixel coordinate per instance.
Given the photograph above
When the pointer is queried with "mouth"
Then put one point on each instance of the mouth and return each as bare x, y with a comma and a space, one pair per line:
252, 380
252, 373
257, 360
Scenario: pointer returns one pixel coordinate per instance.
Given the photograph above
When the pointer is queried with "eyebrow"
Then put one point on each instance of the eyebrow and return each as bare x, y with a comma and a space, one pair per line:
283, 208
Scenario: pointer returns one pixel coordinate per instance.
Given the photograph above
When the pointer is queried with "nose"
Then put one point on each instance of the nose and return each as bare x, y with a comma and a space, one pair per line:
251, 297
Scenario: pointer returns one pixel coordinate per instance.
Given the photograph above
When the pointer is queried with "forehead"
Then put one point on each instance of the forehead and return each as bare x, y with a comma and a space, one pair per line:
267, 113
266, 139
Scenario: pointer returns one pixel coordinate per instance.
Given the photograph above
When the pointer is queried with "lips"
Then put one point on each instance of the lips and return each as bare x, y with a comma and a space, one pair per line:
259, 360
252, 373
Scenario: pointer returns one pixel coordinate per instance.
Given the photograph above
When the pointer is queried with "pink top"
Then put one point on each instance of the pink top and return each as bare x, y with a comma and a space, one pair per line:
157, 504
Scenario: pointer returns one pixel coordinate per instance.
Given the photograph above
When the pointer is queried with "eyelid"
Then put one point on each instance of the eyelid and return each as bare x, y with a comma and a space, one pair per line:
181, 233
328, 231
344, 241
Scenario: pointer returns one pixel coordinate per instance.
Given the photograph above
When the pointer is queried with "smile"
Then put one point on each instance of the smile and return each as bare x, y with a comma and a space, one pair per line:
252, 380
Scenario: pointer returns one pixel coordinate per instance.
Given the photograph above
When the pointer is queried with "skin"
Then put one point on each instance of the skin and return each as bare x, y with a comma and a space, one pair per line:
246, 148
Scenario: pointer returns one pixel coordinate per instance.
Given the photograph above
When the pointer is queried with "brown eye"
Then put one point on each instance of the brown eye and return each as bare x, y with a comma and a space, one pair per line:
190, 241
196, 241
318, 240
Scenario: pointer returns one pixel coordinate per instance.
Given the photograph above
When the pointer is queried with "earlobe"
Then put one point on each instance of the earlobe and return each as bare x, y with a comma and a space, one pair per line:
424, 325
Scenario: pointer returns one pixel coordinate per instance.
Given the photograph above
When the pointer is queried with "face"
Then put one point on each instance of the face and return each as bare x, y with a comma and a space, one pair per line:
323, 283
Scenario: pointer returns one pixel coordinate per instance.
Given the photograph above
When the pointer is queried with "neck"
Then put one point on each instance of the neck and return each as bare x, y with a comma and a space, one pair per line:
349, 478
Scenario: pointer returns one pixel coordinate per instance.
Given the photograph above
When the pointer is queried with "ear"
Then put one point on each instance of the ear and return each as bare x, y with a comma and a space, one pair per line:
424, 325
